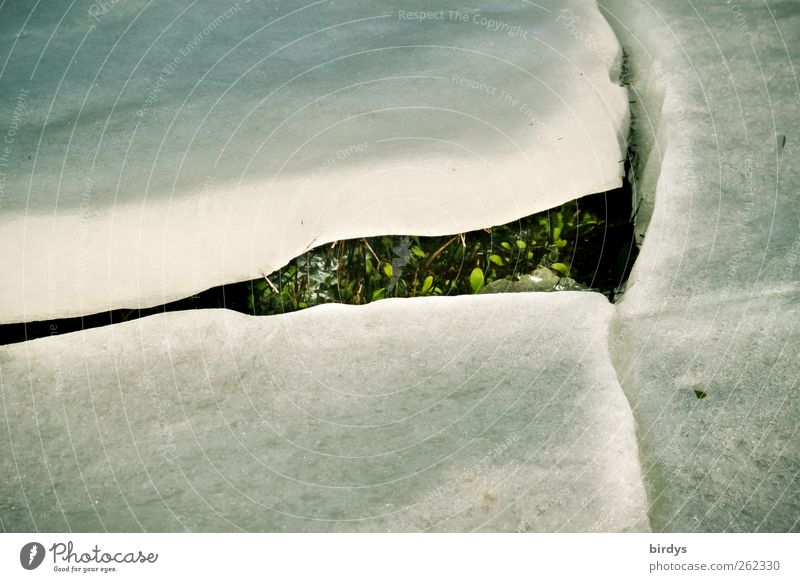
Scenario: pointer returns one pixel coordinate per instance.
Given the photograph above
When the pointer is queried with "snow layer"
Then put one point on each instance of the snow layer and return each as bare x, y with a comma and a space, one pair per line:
484, 412
706, 338
495, 412
156, 149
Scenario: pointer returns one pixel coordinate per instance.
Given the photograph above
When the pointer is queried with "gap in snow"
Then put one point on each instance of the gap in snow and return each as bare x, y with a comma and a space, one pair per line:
586, 244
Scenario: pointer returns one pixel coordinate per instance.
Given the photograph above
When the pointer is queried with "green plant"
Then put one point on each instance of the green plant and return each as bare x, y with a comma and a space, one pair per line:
362, 270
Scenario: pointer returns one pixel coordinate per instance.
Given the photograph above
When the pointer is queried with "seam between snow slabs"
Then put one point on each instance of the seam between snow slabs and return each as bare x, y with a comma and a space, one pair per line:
614, 341
640, 146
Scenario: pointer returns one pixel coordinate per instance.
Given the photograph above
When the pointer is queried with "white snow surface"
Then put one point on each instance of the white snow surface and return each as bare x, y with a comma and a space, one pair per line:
713, 304
471, 413
522, 412
157, 149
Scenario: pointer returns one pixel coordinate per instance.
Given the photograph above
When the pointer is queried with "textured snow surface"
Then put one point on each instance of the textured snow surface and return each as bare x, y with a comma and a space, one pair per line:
713, 303
496, 412
493, 412
729, 461
162, 148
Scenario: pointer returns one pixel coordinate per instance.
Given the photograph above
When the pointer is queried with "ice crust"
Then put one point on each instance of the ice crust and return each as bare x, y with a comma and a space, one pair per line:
492, 413
712, 304
164, 148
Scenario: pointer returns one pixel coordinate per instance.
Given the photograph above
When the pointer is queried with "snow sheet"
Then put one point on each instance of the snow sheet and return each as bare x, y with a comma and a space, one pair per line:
216, 421
706, 339
156, 149
489, 412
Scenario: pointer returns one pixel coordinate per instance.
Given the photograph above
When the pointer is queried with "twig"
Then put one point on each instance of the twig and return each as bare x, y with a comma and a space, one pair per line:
439, 250
372, 251
270, 283
313, 240
358, 292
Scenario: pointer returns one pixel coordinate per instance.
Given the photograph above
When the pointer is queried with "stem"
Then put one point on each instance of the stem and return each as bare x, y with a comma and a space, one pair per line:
439, 250
372, 251
270, 283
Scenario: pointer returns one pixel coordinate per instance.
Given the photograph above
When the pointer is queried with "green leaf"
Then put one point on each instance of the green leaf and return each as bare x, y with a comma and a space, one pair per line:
496, 260
427, 284
506, 246
476, 279
556, 233
418, 252
521, 245
387, 268
378, 294
368, 266
561, 268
